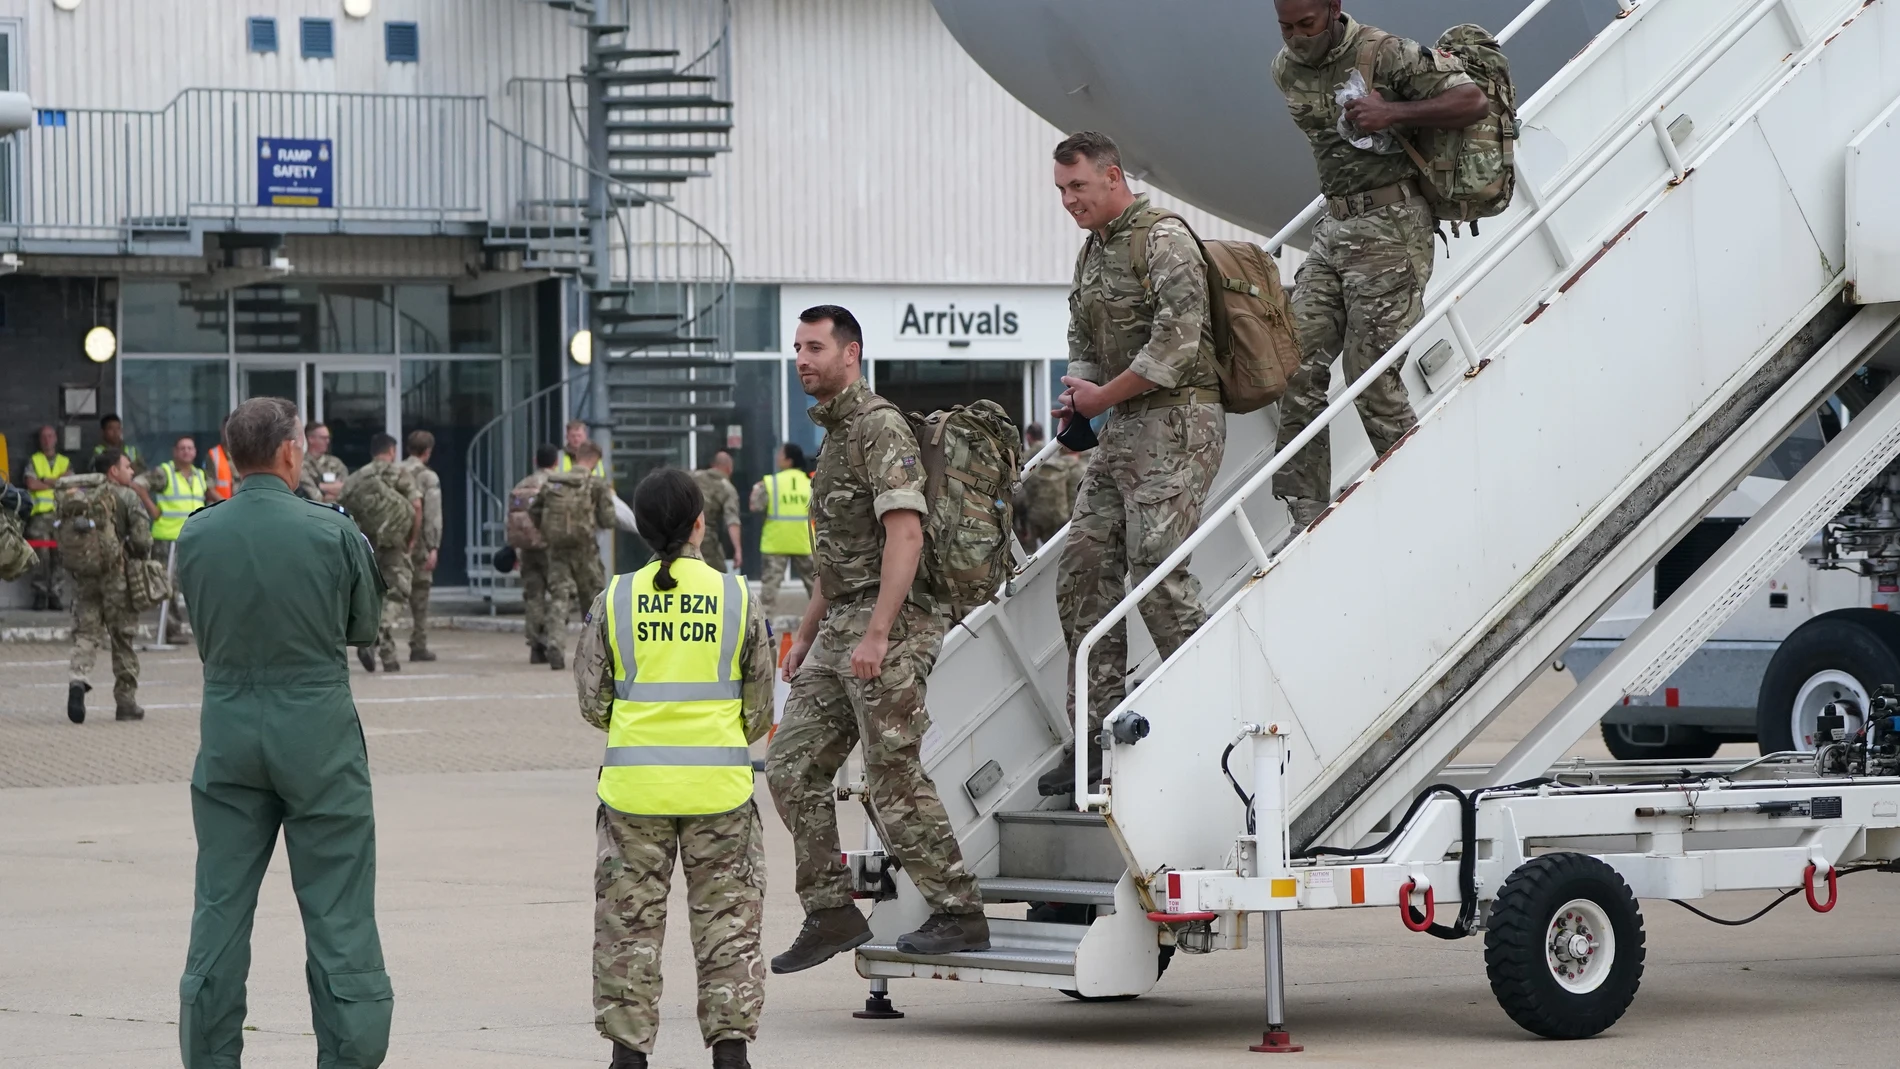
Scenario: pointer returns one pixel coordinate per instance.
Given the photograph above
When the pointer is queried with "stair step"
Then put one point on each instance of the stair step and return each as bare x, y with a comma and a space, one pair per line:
670, 126
659, 176
651, 76
617, 53
1009, 889
666, 152
621, 200
622, 315
653, 101
630, 339
697, 408
1058, 844
1015, 946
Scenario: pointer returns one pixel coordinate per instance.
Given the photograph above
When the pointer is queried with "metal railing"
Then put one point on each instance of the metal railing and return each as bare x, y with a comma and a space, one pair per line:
1445, 307
500, 455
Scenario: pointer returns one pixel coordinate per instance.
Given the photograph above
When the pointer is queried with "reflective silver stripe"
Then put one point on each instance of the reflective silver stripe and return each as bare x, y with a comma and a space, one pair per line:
621, 606
623, 756
771, 498
729, 628
627, 690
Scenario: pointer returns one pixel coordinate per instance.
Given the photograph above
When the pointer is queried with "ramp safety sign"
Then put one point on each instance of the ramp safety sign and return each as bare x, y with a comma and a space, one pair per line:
294, 172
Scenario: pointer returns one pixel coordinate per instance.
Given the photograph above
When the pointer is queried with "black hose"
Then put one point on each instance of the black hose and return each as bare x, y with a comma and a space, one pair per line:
1245, 798
1783, 897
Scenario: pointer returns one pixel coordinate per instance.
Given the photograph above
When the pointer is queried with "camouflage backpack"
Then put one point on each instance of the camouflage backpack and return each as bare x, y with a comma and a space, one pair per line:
567, 511
379, 509
88, 526
16, 557
971, 456
520, 528
1470, 174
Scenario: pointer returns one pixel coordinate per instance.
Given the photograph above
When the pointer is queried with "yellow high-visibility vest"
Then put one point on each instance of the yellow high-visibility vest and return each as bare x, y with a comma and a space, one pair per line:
787, 530
600, 466
676, 744
182, 496
46, 471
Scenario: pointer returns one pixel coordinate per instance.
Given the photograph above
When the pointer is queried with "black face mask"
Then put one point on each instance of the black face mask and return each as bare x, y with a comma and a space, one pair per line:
1077, 434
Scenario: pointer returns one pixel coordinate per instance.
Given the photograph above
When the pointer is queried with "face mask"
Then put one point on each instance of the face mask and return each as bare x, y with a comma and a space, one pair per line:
1311, 50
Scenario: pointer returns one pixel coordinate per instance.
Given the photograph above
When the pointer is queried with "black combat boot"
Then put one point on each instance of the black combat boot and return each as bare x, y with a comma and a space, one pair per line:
76, 701
826, 932
730, 1054
129, 711
1061, 780
948, 933
367, 656
556, 659
417, 653
627, 1058
537, 654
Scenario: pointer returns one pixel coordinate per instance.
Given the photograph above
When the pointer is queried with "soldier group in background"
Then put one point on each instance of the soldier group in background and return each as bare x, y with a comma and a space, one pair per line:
785, 541
721, 502
386, 503
323, 472
1048, 493
177, 488
420, 445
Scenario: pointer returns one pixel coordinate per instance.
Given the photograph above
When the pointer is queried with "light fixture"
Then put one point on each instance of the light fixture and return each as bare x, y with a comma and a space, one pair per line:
65, 5
100, 344
581, 347
357, 9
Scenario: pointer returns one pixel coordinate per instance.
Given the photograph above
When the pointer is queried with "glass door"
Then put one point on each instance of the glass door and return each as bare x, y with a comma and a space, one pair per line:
355, 404
268, 380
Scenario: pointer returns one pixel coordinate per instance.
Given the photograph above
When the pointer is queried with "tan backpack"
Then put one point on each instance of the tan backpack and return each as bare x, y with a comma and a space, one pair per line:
1255, 349
521, 531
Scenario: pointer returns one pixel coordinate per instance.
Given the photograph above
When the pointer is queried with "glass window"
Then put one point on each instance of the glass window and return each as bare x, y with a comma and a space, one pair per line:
927, 385
755, 319
451, 399
166, 317
309, 317
521, 320
165, 399
798, 426
756, 385
433, 320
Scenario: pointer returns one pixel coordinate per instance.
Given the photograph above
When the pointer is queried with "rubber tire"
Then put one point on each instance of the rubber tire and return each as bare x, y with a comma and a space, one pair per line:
1701, 744
1864, 643
1161, 969
1514, 946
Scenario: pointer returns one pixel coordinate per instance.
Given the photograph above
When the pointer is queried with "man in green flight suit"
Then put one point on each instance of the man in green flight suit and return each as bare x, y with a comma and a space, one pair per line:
279, 587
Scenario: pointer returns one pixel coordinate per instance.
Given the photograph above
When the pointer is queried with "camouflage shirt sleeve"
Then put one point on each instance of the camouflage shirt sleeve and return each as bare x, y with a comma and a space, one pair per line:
757, 504
728, 504
759, 670
404, 484
1414, 72
594, 667
1083, 360
891, 466
431, 510
603, 504
1179, 276
136, 523
154, 481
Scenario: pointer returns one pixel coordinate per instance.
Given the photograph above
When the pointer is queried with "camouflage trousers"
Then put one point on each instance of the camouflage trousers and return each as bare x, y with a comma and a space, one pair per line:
51, 584
533, 567
175, 616
1140, 498
397, 576
575, 579
1361, 287
1041, 525
103, 616
773, 568
724, 859
828, 712
421, 582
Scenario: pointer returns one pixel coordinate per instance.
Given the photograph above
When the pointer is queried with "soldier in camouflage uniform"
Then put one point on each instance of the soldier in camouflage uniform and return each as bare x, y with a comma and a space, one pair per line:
575, 573
723, 854
1140, 344
722, 512
422, 558
1049, 496
102, 606
1362, 284
323, 471
531, 558
871, 649
394, 561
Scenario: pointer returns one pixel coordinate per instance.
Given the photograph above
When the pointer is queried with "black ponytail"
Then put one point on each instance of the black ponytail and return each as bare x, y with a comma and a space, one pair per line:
665, 504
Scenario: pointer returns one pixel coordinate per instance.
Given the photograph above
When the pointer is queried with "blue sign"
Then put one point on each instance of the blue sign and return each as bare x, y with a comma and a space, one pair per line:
293, 172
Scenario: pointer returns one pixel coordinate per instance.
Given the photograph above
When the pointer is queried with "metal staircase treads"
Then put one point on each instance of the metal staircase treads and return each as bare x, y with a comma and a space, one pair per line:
649, 76
1015, 946
1012, 889
658, 176
663, 151
669, 126
655, 101
605, 54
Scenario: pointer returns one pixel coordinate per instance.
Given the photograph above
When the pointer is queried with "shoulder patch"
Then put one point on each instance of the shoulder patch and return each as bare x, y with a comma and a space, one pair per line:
328, 506
910, 462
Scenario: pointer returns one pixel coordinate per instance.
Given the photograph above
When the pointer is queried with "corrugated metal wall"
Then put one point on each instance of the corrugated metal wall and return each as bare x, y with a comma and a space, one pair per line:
870, 148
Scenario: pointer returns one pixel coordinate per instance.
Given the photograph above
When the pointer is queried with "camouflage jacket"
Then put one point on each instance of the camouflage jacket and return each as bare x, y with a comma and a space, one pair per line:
722, 500
394, 474
1402, 70
430, 484
593, 485
1162, 330
867, 466
311, 485
1050, 489
594, 667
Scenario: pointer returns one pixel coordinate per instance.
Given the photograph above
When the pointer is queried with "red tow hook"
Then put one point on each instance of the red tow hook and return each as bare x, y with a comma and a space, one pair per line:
1179, 918
1833, 889
1406, 912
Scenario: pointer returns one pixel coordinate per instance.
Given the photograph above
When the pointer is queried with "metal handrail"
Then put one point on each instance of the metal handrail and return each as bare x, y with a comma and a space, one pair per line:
1442, 308
484, 498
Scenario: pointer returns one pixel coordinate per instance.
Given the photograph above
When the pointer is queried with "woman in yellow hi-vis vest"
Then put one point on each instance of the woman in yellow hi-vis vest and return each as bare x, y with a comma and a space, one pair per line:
676, 665
785, 498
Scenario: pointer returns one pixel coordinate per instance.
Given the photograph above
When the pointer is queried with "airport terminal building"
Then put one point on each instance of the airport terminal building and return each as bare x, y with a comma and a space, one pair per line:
392, 213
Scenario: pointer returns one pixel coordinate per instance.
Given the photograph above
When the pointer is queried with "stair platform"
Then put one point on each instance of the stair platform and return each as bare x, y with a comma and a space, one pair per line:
1015, 947
1014, 889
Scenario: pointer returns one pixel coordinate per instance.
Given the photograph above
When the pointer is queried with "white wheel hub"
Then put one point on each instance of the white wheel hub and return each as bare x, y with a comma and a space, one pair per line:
1580, 947
1821, 688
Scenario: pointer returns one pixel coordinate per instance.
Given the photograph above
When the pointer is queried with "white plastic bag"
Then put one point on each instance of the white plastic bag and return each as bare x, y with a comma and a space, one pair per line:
1381, 143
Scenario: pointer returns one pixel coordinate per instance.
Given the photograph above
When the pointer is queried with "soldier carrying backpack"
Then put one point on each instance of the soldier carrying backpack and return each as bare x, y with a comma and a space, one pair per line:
570, 511
101, 523
386, 504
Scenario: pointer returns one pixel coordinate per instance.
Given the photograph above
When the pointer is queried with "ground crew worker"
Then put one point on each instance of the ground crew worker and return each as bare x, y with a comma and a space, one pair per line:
865, 648
1140, 343
278, 587
220, 482
323, 471
179, 488
673, 661
112, 436
422, 558
393, 555
722, 512
102, 605
1362, 284
531, 553
576, 438
570, 511
43, 469
1049, 494
785, 498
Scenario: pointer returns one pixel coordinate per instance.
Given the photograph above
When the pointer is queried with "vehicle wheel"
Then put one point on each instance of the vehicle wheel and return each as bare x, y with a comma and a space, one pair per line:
1161, 969
1681, 744
1847, 653
1564, 949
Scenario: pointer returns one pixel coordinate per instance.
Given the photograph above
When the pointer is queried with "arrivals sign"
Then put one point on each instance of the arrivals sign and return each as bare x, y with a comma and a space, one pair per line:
946, 319
294, 172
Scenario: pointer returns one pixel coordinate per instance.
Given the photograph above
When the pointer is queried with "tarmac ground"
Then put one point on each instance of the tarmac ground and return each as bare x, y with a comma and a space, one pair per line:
484, 799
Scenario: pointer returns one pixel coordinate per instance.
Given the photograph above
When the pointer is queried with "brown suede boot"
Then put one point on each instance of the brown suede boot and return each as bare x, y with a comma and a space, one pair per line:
826, 932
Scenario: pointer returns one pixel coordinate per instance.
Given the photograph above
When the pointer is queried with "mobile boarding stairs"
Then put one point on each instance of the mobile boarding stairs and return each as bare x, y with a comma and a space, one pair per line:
1703, 248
